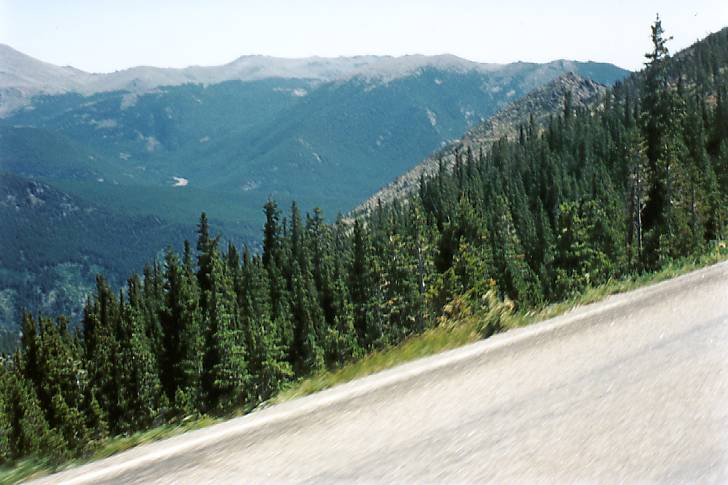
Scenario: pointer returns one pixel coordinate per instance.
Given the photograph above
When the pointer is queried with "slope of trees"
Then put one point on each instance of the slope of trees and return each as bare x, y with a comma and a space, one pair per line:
596, 194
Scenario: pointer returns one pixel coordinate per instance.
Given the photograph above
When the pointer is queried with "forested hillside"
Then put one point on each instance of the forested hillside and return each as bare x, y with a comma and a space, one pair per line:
138, 148
625, 187
51, 278
536, 107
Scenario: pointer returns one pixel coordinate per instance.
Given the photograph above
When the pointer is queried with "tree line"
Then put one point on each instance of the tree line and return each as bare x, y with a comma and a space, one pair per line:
624, 187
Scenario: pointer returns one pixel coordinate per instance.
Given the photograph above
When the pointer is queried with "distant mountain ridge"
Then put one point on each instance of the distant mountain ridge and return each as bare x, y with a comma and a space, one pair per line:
279, 137
22, 76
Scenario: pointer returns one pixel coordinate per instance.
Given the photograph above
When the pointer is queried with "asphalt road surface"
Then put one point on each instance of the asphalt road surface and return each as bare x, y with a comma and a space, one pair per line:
632, 389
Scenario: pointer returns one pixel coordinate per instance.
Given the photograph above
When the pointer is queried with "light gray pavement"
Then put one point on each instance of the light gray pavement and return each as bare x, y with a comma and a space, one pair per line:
632, 389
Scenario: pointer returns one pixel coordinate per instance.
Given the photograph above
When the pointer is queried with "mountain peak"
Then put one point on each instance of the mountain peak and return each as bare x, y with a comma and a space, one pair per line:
23, 76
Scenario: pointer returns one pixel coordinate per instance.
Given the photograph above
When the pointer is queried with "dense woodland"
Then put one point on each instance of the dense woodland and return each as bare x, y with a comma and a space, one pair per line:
623, 188
114, 156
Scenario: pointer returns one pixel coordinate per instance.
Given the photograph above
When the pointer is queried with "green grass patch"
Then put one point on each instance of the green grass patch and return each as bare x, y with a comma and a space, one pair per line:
430, 342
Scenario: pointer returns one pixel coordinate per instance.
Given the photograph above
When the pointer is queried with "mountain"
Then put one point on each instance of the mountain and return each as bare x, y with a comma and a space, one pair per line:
158, 146
243, 141
698, 67
601, 195
537, 106
23, 76
57, 243
267, 135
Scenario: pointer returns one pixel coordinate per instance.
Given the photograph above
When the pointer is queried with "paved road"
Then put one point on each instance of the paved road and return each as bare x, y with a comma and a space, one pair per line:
631, 389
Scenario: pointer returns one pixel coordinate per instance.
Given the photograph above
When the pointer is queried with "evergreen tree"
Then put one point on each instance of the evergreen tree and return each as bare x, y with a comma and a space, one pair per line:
637, 176
308, 319
666, 234
102, 353
181, 322
267, 363
362, 285
28, 430
274, 261
141, 381
224, 373
514, 276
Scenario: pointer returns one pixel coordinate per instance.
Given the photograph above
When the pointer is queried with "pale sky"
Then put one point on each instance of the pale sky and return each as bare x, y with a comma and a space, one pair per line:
106, 35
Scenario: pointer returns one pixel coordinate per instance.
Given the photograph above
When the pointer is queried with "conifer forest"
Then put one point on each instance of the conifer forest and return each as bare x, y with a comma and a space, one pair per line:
620, 188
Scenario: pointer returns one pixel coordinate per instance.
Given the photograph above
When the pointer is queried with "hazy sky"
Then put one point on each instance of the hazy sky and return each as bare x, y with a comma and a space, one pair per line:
105, 35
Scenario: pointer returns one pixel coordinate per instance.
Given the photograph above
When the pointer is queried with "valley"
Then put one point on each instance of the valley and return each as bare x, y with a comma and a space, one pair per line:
168, 144
185, 246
